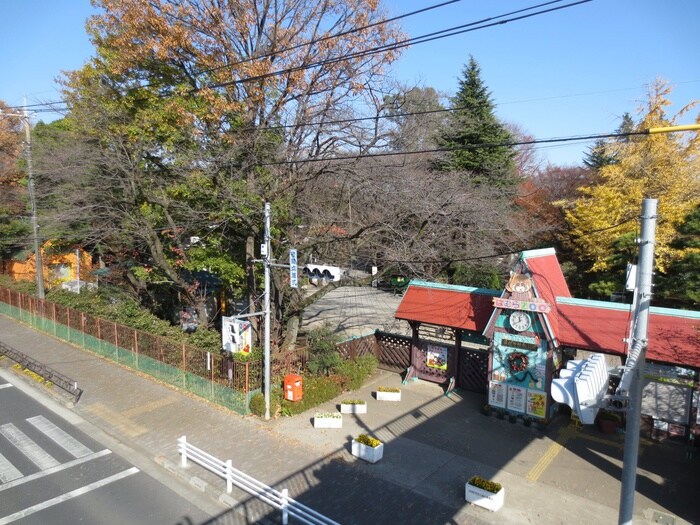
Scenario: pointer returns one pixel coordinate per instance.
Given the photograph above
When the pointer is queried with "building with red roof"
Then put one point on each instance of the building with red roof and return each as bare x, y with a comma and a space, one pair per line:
511, 343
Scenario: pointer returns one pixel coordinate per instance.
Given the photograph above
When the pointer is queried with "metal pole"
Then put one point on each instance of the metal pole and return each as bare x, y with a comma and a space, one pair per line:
637, 354
267, 258
32, 198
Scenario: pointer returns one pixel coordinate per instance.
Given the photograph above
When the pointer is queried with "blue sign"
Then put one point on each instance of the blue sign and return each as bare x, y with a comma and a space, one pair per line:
293, 278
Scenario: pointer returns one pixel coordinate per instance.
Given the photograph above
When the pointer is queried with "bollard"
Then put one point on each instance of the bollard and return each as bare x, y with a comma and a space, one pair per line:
285, 512
183, 451
229, 476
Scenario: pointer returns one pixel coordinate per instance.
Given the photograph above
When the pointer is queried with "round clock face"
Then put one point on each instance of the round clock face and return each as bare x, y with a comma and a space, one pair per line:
520, 321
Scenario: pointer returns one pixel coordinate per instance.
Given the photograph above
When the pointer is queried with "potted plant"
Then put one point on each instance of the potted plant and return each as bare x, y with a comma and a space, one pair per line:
368, 448
388, 393
484, 493
353, 406
328, 420
486, 409
609, 422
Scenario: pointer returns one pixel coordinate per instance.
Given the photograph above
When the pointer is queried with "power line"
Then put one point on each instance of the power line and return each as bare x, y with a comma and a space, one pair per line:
465, 28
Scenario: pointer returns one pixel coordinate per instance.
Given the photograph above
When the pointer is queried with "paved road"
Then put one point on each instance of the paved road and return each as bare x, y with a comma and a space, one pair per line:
51, 472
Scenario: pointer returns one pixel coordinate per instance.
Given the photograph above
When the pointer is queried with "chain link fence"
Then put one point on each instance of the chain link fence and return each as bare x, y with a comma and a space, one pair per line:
209, 375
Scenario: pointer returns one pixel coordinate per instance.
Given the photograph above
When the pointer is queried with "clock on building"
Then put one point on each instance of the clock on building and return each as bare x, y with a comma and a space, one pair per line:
520, 320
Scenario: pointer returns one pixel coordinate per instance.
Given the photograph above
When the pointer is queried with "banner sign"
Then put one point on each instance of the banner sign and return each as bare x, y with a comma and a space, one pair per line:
293, 277
533, 305
236, 334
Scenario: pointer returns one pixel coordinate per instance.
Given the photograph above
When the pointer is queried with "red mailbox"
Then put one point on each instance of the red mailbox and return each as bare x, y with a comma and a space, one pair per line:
293, 387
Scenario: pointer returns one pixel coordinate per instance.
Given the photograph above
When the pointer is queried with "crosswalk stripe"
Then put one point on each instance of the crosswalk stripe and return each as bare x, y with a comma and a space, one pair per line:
8, 472
71, 445
68, 495
53, 470
26, 446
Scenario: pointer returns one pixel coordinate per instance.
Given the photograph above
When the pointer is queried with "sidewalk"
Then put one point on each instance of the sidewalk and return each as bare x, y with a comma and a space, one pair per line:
433, 444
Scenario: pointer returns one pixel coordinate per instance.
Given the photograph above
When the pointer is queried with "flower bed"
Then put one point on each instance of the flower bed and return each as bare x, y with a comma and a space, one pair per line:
484, 493
367, 448
328, 420
385, 393
353, 406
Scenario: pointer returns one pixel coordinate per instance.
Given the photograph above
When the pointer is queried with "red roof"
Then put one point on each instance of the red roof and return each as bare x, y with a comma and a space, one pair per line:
446, 305
674, 335
549, 282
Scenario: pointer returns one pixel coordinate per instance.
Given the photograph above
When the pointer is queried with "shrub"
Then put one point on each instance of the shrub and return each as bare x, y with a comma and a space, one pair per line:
352, 402
356, 371
367, 440
328, 415
485, 484
317, 390
323, 354
388, 389
257, 404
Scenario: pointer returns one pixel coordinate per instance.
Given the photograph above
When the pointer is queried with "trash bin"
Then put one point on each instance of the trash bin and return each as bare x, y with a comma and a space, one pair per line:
293, 387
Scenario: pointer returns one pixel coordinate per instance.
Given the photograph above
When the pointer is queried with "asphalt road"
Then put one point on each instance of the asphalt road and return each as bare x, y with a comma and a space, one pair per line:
52, 472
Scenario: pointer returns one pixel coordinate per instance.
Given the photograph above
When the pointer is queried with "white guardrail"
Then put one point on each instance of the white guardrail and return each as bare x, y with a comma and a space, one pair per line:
273, 497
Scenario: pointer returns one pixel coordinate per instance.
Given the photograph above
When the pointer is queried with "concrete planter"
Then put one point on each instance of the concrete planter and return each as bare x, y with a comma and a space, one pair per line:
325, 421
369, 454
388, 396
353, 408
484, 498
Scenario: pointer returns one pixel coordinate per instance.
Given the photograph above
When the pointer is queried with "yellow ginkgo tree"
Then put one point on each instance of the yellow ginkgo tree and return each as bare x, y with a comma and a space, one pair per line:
662, 166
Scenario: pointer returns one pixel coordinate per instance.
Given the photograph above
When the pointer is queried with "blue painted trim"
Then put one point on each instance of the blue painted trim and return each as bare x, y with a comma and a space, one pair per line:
455, 288
623, 307
529, 254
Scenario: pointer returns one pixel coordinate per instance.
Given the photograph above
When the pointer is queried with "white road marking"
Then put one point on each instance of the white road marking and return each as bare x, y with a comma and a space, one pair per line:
67, 496
8, 472
26, 446
71, 445
53, 470
5, 385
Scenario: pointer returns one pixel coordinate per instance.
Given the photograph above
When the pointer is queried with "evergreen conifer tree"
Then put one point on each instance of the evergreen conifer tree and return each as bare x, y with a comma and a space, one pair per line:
474, 135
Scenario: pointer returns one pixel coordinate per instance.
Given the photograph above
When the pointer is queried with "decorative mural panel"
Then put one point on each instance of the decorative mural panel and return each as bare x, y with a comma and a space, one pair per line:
519, 367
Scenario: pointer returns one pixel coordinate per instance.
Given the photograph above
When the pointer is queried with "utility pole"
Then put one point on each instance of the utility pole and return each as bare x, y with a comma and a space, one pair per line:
266, 262
32, 199
632, 381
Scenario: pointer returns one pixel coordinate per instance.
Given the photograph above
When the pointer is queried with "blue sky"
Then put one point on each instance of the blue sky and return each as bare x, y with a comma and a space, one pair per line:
566, 73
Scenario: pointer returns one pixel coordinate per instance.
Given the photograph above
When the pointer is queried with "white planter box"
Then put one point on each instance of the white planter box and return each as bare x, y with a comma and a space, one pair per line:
353, 408
369, 454
388, 396
328, 422
484, 498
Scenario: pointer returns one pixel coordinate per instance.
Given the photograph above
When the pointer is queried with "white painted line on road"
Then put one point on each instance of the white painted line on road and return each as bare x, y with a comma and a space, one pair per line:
67, 496
26, 446
64, 440
53, 470
5, 385
8, 472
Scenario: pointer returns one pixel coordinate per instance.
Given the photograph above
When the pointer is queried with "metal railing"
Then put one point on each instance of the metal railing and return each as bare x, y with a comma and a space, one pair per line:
48, 373
277, 499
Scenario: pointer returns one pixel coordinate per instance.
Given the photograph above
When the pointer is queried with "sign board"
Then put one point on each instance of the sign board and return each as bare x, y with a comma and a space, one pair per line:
497, 394
293, 275
236, 334
533, 305
517, 396
436, 357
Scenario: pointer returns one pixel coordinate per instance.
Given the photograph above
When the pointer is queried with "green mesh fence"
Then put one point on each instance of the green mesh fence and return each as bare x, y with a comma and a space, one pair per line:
200, 386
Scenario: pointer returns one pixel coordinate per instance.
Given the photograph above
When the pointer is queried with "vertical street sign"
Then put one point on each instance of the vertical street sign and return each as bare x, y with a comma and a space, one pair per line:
293, 278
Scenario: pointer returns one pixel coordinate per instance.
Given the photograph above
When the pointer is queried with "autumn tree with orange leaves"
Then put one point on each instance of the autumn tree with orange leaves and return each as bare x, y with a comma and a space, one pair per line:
202, 110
